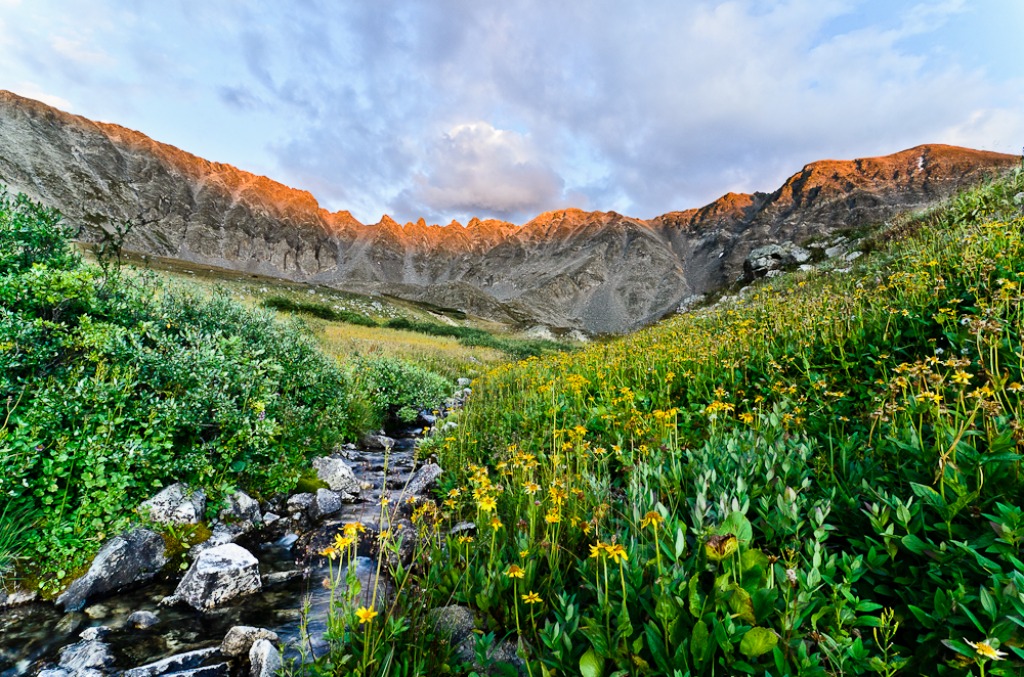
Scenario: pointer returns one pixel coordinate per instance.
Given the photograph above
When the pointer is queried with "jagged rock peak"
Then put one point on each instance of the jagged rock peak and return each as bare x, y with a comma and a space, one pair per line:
596, 271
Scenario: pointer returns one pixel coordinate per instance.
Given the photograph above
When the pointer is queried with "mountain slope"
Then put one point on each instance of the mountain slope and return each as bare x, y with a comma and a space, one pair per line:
601, 272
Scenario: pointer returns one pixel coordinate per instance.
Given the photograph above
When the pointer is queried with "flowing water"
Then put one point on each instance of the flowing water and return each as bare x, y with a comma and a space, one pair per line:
293, 596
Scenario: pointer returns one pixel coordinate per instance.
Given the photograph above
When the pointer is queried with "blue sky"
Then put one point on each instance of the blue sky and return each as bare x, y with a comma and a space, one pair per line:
457, 108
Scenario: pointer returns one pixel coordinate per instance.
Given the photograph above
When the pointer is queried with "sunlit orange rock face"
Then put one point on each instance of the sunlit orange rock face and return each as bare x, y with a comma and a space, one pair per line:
597, 271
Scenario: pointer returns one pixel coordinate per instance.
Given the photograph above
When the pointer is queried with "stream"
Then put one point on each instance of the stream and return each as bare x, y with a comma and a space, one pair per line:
31, 635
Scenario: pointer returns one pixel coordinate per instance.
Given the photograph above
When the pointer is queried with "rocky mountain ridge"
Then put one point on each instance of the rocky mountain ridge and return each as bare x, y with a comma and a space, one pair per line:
601, 272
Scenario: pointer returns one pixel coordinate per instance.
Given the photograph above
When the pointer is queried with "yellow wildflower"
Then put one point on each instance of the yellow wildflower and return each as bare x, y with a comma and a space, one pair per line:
365, 614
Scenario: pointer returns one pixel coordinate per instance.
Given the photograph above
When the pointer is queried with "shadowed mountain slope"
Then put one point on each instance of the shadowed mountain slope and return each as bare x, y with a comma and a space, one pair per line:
597, 271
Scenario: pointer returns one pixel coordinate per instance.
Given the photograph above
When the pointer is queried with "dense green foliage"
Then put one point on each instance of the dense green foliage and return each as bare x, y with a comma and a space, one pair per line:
321, 310
114, 385
396, 389
822, 477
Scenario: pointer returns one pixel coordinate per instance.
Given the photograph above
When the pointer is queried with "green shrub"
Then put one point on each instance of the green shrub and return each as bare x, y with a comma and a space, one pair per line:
397, 389
116, 385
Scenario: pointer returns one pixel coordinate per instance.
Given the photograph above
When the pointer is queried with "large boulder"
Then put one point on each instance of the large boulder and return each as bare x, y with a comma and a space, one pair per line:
325, 503
264, 659
125, 560
767, 260
240, 639
177, 504
337, 474
242, 510
217, 576
425, 478
87, 657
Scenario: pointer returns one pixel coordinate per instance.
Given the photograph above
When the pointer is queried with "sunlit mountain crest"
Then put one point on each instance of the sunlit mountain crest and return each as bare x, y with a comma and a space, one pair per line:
569, 268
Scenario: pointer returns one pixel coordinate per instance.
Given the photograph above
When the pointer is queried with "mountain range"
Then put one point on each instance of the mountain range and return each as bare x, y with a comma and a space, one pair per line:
600, 272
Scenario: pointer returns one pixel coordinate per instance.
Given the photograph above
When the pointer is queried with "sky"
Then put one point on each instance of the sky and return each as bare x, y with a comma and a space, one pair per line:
448, 109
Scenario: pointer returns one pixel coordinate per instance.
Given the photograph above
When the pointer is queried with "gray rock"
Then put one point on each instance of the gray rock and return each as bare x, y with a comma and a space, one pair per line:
17, 598
173, 664
222, 534
464, 382
325, 503
378, 442
143, 619
769, 260
95, 633
241, 510
837, 249
270, 519
125, 560
176, 504
337, 474
264, 659
56, 672
240, 639
86, 655
70, 622
425, 478
299, 504
217, 576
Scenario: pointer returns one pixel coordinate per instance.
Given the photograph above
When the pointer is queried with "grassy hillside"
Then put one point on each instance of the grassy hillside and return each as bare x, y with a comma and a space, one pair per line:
446, 341
823, 477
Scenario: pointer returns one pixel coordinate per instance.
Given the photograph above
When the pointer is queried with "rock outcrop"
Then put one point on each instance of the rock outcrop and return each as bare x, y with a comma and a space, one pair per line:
601, 272
218, 576
123, 561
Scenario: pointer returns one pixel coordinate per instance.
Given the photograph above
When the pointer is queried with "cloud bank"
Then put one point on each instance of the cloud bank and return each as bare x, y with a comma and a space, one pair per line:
456, 108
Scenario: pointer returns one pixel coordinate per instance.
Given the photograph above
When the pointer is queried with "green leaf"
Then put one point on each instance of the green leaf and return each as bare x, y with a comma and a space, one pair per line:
741, 604
591, 665
680, 546
914, 544
699, 641
758, 641
988, 603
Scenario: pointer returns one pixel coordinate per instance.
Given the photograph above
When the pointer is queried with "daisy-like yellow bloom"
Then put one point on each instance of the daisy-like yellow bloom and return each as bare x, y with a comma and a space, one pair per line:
531, 488
618, 552
329, 551
524, 553
552, 517
365, 614
353, 528
342, 542
465, 539
487, 503
651, 518
496, 523
454, 493
599, 549
515, 571
531, 598
983, 648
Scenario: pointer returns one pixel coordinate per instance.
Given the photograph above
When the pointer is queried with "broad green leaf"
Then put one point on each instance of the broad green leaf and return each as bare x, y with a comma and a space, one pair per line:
758, 641
699, 641
591, 665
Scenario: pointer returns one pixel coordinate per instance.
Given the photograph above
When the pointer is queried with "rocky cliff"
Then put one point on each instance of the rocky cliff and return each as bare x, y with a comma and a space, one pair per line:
597, 271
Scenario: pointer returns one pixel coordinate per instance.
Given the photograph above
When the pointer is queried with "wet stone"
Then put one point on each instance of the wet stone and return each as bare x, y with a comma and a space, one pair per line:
143, 619
240, 639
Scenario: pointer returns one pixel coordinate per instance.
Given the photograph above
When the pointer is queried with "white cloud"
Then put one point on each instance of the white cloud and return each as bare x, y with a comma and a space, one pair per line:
637, 108
475, 168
